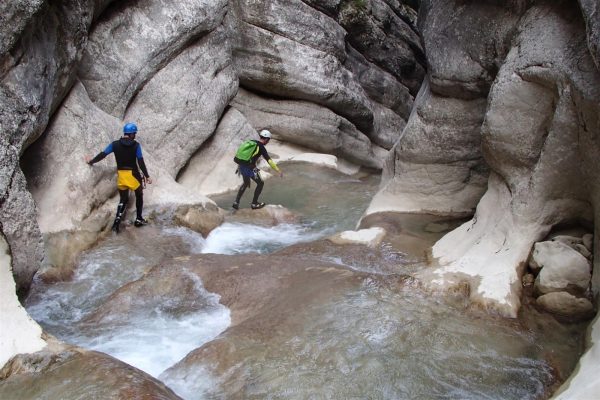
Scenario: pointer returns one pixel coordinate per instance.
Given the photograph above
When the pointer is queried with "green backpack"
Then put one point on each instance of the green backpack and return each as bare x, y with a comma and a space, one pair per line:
246, 151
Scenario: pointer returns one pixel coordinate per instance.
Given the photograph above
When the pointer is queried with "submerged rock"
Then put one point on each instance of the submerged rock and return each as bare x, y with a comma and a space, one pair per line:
566, 305
74, 373
200, 218
269, 215
369, 237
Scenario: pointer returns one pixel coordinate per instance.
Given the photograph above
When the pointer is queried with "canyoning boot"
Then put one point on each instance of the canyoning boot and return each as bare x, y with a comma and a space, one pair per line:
120, 211
115, 226
140, 222
256, 206
235, 205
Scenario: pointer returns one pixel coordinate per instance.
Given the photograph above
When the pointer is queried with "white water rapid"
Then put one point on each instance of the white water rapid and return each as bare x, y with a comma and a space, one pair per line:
368, 334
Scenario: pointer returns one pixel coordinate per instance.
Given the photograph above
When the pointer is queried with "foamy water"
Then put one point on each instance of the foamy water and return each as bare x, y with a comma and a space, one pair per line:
237, 238
154, 341
155, 344
150, 344
370, 342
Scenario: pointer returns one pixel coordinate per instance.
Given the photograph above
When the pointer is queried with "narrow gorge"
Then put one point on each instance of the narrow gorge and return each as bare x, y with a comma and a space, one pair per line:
433, 234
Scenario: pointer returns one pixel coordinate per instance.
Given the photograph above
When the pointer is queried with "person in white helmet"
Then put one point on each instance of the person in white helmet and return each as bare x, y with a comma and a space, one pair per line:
246, 157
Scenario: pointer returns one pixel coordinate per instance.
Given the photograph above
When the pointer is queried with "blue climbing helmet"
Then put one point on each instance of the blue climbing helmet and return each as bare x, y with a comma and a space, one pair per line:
130, 129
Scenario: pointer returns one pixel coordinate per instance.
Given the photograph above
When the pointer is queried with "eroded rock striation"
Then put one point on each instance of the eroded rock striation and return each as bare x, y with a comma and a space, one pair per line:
73, 73
483, 108
505, 125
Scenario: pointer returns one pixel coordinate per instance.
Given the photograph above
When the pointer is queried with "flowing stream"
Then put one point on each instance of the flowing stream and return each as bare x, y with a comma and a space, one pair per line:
373, 341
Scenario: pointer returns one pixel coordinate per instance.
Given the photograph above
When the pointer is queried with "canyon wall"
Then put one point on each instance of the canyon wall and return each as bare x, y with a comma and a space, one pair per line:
505, 128
338, 77
491, 113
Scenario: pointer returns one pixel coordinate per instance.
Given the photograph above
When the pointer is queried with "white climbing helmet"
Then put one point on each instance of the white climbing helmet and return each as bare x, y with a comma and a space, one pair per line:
265, 134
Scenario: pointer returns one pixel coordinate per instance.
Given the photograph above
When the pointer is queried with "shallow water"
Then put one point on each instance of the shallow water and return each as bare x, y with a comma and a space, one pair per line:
152, 341
374, 341
387, 344
324, 198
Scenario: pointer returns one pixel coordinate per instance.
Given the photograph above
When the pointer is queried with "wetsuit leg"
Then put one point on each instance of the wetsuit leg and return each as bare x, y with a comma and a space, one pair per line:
123, 200
139, 201
259, 187
121, 208
245, 185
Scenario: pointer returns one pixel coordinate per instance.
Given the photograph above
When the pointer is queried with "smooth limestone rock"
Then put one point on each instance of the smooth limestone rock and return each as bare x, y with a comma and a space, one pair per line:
588, 241
310, 125
283, 66
585, 382
381, 86
19, 333
212, 170
531, 140
562, 268
126, 49
566, 305
376, 29
202, 219
69, 372
591, 14
545, 252
269, 215
326, 160
40, 47
180, 106
436, 166
570, 241
369, 237
65, 189
583, 250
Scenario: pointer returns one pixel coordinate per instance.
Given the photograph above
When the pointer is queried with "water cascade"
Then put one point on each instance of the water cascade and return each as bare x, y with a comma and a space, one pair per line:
352, 322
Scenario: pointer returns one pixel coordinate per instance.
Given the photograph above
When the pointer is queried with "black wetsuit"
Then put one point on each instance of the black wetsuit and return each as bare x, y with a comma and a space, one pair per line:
128, 155
249, 171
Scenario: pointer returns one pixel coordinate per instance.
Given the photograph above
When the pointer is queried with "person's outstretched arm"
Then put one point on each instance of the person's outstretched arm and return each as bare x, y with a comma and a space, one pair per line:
275, 166
272, 164
100, 156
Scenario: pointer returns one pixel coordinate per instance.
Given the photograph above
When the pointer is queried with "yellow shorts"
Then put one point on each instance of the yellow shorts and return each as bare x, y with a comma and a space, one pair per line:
126, 180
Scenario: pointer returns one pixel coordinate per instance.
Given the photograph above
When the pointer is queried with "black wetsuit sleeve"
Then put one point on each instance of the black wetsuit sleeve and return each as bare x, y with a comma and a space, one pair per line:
142, 165
100, 156
263, 152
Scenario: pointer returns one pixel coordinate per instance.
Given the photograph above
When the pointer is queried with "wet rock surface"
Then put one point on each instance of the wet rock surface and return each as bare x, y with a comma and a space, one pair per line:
74, 373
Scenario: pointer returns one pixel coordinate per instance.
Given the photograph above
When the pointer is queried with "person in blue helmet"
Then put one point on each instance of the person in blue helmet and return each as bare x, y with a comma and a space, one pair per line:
128, 155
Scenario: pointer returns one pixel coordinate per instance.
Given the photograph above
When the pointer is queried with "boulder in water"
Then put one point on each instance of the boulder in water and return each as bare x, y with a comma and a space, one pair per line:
566, 305
369, 237
561, 268
269, 215
200, 218
73, 373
